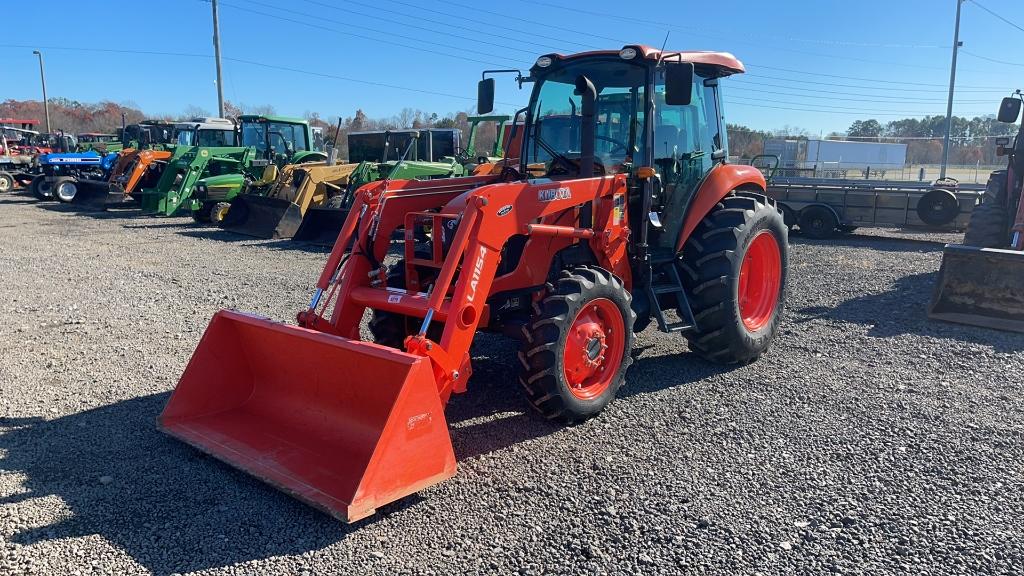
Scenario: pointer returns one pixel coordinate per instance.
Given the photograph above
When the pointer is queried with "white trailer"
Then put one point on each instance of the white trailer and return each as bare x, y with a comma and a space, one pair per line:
844, 156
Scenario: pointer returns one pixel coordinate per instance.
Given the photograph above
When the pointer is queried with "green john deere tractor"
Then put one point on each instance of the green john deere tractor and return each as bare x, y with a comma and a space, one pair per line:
99, 142
421, 154
278, 142
201, 181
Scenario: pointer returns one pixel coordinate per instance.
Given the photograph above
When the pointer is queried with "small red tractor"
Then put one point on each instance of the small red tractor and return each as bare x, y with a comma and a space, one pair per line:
981, 282
623, 211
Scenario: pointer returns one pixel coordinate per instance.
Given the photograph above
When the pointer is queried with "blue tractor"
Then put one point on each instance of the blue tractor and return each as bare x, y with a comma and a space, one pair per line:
62, 173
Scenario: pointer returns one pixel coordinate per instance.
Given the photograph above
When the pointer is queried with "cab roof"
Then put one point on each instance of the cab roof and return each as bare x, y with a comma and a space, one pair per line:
725, 62
257, 117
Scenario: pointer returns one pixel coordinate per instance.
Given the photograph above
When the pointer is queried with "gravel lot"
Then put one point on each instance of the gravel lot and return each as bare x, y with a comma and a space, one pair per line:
868, 440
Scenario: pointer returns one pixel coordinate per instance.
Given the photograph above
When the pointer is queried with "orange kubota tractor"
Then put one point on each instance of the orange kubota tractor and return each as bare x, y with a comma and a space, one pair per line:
623, 210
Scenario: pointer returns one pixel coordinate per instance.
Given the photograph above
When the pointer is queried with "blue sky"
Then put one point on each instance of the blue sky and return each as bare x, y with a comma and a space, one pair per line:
816, 65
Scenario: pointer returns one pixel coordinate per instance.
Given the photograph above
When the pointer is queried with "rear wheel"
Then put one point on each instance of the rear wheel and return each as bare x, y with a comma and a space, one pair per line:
818, 222
6, 182
41, 188
989, 226
65, 189
577, 347
734, 271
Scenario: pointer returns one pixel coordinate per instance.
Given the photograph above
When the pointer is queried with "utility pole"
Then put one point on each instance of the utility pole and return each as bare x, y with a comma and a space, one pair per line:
46, 103
216, 52
952, 83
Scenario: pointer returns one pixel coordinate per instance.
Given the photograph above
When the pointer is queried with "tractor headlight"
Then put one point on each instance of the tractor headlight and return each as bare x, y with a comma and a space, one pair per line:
544, 61
627, 53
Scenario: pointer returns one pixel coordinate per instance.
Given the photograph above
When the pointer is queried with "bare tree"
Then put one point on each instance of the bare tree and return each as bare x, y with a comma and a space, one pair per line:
193, 111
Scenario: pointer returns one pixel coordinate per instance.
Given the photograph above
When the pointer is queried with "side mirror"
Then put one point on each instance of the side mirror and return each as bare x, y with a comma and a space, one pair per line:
485, 96
678, 83
1009, 110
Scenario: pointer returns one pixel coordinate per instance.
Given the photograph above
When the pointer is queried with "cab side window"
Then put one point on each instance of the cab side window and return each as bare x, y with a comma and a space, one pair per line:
684, 139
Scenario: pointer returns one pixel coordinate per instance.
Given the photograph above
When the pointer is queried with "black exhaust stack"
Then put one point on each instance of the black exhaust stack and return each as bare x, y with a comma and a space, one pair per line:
585, 89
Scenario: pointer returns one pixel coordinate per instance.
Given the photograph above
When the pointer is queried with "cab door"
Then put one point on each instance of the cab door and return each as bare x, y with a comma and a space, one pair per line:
688, 142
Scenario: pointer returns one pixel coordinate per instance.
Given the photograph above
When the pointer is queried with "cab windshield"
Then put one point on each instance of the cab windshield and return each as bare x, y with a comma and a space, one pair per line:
556, 110
186, 137
282, 138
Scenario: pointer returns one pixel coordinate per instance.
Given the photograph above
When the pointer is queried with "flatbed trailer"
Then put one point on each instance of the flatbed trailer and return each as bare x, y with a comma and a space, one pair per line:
824, 207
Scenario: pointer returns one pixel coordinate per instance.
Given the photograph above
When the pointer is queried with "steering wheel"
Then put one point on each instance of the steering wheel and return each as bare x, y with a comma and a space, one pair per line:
617, 143
572, 166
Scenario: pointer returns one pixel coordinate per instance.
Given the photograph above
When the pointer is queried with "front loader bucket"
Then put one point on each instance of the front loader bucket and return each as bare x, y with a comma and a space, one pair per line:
321, 226
262, 217
344, 425
100, 195
980, 286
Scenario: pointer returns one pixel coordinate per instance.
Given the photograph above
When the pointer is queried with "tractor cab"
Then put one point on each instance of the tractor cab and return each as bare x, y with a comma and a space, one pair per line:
101, 143
278, 140
206, 133
147, 134
656, 118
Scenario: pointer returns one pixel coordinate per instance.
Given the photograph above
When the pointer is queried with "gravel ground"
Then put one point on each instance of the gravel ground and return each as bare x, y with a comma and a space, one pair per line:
868, 440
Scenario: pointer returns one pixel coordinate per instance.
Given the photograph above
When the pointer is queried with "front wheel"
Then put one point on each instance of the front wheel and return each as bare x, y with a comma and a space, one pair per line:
219, 212
576, 349
734, 269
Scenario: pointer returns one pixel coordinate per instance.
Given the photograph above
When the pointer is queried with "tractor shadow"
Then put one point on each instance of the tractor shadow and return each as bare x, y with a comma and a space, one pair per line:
926, 243
222, 235
120, 212
17, 197
158, 494
495, 414
903, 309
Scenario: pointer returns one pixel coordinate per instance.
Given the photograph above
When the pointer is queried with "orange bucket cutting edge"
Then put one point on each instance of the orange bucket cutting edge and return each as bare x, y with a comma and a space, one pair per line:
343, 425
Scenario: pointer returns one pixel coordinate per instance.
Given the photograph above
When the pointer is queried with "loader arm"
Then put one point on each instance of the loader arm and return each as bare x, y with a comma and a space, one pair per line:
493, 213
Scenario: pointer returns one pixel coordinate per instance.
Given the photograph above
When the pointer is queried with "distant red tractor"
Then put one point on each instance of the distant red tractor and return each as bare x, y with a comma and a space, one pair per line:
17, 152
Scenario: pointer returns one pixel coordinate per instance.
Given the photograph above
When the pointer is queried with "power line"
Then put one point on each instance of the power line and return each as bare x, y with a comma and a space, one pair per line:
874, 80
387, 37
504, 15
695, 31
505, 23
862, 87
356, 80
445, 23
350, 11
899, 101
861, 113
111, 50
1004, 62
260, 64
738, 128
979, 5
620, 41
741, 82
859, 109
690, 29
